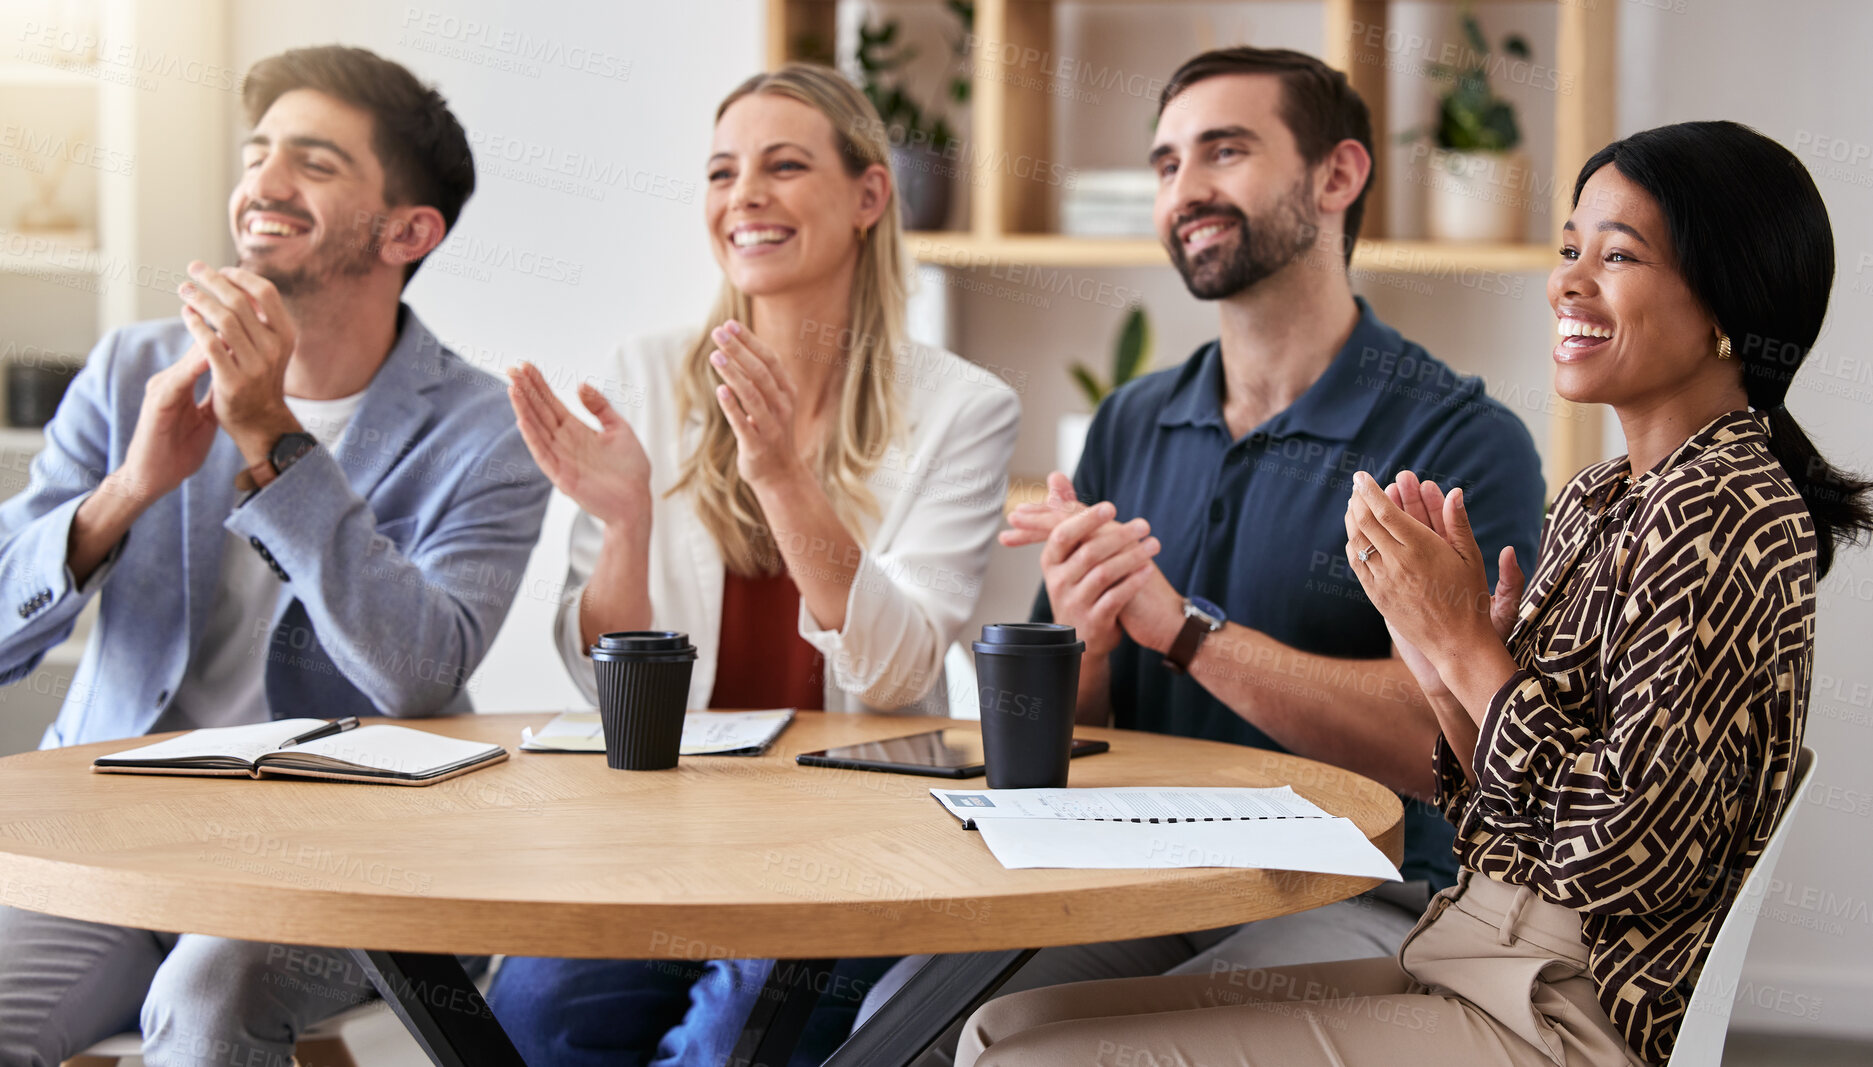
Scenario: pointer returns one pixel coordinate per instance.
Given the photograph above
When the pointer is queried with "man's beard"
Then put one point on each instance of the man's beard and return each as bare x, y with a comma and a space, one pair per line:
1263, 246
350, 256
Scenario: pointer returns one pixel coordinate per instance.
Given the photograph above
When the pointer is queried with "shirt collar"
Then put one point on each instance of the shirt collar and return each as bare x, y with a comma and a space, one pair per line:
1333, 408
1722, 431
1727, 429
1197, 398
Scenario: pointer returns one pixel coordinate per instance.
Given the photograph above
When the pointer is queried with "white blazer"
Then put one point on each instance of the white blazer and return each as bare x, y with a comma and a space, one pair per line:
940, 490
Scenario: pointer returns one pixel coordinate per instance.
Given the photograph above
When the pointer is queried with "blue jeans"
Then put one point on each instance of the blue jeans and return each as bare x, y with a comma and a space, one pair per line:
658, 1013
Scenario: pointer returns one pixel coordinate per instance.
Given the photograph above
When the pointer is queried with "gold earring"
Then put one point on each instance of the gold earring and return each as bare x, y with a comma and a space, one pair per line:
1723, 345
863, 232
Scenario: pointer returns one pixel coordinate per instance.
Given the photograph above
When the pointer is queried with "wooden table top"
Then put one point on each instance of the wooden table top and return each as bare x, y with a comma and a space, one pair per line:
554, 854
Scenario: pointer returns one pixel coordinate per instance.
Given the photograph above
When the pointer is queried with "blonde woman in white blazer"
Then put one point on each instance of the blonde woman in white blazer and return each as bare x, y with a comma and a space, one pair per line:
807, 494
918, 567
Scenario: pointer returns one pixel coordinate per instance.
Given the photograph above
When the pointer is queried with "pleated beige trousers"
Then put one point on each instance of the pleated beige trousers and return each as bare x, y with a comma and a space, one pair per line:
1491, 974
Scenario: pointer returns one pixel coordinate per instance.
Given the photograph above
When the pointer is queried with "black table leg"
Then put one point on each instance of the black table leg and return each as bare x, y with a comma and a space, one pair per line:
780, 1013
943, 990
440, 1007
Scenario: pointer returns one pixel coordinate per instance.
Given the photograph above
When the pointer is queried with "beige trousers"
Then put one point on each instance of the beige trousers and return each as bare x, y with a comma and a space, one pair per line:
1491, 974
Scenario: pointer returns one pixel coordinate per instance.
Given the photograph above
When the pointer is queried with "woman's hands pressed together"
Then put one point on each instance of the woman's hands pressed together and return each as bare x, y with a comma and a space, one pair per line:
1423, 570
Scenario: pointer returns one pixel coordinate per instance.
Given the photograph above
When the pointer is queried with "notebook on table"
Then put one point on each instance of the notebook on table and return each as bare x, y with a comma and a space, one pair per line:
390, 755
705, 733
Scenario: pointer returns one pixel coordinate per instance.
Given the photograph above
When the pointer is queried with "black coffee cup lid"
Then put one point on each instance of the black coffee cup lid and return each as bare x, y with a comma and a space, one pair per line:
1029, 638
643, 642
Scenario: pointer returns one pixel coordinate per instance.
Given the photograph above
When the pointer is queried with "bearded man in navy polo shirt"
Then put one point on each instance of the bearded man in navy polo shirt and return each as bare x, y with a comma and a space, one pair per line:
1200, 548
1221, 606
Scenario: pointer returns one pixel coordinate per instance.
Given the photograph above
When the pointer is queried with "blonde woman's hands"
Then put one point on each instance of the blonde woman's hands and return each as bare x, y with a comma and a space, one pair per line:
605, 471
757, 395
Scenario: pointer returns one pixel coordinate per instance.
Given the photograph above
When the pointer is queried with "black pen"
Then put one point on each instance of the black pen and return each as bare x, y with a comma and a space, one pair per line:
336, 726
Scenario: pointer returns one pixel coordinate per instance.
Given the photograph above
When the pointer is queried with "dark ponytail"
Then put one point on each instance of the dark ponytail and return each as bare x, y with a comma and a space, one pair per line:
1753, 242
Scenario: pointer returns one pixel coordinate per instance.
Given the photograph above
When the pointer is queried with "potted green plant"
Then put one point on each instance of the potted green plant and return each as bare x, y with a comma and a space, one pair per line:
924, 159
1475, 179
1131, 354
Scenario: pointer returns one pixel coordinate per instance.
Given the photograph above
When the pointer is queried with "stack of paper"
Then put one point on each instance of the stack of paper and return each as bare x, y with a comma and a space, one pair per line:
705, 733
1164, 827
1110, 203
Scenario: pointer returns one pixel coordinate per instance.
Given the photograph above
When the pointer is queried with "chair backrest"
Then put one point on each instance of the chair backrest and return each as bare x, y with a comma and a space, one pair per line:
959, 675
1707, 1019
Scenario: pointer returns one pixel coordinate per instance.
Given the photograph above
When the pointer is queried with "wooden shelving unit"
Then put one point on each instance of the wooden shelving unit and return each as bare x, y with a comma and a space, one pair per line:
150, 216
167, 124
967, 250
1008, 218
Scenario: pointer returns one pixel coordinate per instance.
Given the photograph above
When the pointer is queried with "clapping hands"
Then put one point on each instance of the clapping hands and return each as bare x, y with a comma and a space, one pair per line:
1423, 570
605, 471
1097, 569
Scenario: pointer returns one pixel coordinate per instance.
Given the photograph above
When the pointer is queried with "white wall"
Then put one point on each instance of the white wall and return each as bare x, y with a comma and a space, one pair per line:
620, 261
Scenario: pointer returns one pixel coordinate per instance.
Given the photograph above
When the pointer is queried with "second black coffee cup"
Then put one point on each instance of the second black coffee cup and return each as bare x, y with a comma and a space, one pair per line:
1028, 679
643, 694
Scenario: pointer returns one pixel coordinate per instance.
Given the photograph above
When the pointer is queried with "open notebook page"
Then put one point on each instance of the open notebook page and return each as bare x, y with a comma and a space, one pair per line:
241, 743
394, 749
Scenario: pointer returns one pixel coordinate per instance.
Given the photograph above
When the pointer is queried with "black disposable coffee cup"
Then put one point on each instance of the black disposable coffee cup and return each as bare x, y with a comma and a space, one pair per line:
1028, 680
643, 693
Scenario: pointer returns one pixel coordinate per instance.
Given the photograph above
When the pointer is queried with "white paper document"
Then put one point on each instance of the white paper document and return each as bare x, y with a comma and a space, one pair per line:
1155, 827
705, 733
1128, 804
1323, 846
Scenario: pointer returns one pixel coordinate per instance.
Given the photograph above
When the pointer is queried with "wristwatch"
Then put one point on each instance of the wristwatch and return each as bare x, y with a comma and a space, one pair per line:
288, 450
1201, 619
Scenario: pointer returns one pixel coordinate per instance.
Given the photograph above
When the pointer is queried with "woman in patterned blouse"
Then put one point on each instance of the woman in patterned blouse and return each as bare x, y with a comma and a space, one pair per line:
1617, 744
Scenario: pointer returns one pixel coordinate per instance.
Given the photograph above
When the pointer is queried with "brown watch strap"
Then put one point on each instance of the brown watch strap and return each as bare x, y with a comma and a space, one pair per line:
1184, 649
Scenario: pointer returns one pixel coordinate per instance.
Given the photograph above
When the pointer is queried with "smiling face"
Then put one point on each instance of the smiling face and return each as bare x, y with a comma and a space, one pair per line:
310, 202
783, 210
1632, 333
1235, 199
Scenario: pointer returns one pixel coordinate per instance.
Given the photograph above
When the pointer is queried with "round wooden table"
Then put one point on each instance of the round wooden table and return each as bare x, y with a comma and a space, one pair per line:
554, 854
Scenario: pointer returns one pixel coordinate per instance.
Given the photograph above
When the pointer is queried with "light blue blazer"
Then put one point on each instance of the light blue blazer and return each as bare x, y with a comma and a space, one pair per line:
400, 552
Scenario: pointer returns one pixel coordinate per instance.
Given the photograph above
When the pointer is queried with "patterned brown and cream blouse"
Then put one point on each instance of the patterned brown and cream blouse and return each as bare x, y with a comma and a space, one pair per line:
1633, 768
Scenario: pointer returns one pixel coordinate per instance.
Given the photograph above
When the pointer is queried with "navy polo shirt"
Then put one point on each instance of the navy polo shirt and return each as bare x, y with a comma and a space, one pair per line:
1257, 524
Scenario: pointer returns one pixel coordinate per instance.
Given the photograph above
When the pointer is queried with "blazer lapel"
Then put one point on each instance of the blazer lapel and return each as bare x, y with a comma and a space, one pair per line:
708, 574
208, 498
394, 410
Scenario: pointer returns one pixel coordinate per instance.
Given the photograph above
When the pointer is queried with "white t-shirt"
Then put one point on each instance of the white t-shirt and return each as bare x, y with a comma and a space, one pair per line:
225, 684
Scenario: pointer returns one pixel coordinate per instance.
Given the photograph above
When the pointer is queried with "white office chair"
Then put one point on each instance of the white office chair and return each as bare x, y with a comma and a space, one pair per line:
959, 677
322, 1045
1707, 1018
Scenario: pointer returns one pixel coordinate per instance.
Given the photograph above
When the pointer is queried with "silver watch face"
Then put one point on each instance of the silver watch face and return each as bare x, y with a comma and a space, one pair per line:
1192, 610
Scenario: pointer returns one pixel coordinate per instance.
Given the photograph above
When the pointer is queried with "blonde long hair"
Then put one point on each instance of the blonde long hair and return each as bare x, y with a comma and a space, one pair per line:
869, 418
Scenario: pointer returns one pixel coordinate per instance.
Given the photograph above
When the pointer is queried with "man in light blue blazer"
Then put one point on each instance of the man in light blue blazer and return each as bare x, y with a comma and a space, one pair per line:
293, 501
